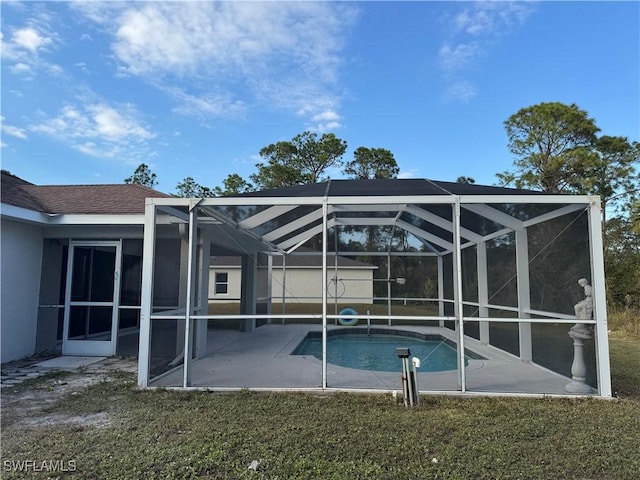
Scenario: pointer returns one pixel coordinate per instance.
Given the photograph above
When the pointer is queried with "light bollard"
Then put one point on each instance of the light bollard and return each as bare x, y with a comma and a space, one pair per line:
415, 361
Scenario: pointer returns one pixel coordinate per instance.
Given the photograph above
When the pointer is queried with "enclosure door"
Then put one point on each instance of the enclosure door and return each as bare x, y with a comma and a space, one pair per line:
91, 301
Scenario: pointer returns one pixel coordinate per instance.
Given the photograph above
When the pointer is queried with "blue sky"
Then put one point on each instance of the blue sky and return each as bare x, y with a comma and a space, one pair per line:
90, 89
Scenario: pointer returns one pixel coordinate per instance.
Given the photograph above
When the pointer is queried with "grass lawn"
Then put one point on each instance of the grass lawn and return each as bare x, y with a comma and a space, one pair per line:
112, 430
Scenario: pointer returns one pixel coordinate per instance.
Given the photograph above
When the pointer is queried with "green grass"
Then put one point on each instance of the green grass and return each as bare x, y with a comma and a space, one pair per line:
167, 434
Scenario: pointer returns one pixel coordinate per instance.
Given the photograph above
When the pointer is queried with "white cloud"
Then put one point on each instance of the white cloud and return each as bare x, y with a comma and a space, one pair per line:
99, 130
24, 48
20, 68
82, 66
326, 120
30, 39
461, 90
220, 105
460, 56
492, 18
24, 44
113, 125
12, 130
473, 31
215, 48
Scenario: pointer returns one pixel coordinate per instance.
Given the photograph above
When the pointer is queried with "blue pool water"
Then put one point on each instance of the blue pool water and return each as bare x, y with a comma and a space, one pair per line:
377, 352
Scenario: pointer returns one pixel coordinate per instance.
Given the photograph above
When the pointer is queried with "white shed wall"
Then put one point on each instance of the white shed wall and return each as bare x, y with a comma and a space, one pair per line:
354, 285
21, 260
235, 281
304, 284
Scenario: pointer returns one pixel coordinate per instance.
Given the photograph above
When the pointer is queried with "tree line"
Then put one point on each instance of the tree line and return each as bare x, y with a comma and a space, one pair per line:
556, 149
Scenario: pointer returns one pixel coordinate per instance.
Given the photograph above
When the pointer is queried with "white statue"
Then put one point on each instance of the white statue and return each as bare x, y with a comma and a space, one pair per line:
584, 309
579, 333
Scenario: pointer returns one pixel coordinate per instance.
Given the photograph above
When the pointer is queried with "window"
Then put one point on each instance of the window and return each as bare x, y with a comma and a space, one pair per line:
222, 283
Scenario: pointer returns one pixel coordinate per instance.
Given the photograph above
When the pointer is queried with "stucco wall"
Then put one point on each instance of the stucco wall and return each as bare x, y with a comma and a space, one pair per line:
21, 257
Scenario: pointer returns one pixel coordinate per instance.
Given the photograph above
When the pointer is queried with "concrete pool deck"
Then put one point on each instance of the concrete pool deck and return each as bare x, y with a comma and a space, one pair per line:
262, 360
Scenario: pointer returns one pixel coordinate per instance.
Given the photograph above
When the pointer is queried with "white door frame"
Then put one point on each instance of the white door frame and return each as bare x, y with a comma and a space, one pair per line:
94, 347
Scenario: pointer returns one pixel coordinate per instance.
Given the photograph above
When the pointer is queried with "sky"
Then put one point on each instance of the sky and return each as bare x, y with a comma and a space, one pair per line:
92, 89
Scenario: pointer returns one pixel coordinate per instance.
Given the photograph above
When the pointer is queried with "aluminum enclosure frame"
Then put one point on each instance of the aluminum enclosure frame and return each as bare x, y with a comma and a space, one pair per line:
200, 226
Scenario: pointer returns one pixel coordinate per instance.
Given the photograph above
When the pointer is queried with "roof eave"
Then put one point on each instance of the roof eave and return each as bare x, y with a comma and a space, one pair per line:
23, 214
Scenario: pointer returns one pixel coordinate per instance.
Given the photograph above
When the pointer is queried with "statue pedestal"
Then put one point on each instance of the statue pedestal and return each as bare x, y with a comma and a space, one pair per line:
579, 333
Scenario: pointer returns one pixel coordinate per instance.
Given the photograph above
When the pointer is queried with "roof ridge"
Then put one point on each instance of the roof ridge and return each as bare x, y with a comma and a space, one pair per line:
94, 185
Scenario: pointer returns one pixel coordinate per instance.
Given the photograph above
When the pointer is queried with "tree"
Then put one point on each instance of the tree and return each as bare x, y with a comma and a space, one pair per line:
635, 216
552, 143
301, 161
189, 188
234, 184
613, 173
465, 180
622, 263
142, 176
372, 163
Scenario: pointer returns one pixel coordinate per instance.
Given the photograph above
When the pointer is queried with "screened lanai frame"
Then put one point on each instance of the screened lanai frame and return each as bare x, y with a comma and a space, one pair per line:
206, 221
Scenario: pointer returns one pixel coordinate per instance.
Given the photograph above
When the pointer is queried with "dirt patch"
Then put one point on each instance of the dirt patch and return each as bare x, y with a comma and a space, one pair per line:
25, 405
99, 420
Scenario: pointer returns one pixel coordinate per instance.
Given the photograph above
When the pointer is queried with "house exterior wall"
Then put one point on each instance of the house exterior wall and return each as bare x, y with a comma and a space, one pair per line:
21, 260
305, 284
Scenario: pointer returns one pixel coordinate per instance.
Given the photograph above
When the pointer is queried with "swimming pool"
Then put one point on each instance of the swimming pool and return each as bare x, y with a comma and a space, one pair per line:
353, 348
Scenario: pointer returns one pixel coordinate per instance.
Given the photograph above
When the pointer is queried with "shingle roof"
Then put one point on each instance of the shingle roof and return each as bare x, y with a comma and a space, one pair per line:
81, 199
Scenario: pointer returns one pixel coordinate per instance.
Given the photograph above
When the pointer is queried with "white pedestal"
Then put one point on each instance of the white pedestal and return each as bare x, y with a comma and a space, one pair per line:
579, 333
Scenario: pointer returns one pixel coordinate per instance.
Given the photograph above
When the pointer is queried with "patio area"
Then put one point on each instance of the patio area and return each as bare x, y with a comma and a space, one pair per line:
263, 360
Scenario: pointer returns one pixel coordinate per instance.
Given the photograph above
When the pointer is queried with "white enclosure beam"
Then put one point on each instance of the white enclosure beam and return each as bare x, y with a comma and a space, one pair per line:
496, 234
174, 212
364, 221
298, 223
203, 292
304, 236
495, 215
555, 214
483, 291
442, 223
459, 304
189, 300
441, 289
599, 300
266, 215
148, 254
524, 294
248, 289
429, 237
325, 227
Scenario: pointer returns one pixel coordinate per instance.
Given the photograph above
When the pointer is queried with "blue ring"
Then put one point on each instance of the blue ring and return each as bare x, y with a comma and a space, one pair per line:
348, 322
